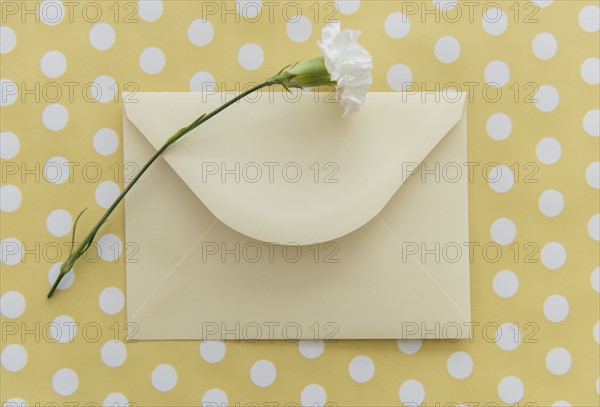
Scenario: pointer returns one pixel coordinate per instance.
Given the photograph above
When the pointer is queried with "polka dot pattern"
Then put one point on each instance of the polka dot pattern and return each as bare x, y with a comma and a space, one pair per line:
447, 49
533, 198
212, 351
361, 369
250, 56
263, 373
511, 389
152, 60
544, 46
53, 64
102, 36
55, 117
164, 378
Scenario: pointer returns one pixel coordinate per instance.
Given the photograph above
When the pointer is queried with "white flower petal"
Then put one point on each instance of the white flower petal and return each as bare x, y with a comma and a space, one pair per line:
330, 31
330, 59
344, 39
348, 63
353, 98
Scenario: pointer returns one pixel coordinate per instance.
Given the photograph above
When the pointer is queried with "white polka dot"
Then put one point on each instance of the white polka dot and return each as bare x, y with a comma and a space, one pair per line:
543, 3
14, 402
102, 36
106, 141
503, 231
263, 373
447, 49
409, 346
311, 349
510, 389
103, 89
212, 351
548, 150
347, 6
591, 123
150, 10
499, 126
8, 92
547, 98
53, 64
506, 283
361, 369
397, 25
59, 223
444, 5
65, 382
590, 71
63, 329
113, 353
508, 337
66, 281
10, 198
558, 361
501, 178
594, 227
250, 56
561, 403
13, 358
553, 255
299, 29
111, 300
56, 170
556, 308
12, 304
598, 386
202, 82
551, 203
248, 8
152, 60
595, 279
200, 32
494, 20
460, 365
11, 251
9, 145
51, 12
116, 400
412, 392
597, 332
592, 175
164, 377
55, 117
399, 77
313, 395
214, 398
589, 18
544, 46
109, 247
497, 73
8, 39
106, 193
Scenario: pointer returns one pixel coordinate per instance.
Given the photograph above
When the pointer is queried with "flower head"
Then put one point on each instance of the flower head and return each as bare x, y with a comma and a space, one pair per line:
348, 63
345, 63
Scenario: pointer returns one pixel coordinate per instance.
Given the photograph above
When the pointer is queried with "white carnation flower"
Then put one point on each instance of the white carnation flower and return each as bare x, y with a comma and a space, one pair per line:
348, 63
344, 63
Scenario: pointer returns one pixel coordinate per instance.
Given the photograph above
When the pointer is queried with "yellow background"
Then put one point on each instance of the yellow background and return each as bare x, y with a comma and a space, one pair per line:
575, 227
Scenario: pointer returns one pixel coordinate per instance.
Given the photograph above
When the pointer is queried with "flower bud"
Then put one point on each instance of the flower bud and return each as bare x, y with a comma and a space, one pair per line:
305, 74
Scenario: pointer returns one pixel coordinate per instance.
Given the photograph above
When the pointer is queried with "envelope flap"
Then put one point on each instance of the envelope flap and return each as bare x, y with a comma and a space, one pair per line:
288, 168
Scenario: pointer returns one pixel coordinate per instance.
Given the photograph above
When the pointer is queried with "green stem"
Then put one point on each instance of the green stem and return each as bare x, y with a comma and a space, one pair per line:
87, 241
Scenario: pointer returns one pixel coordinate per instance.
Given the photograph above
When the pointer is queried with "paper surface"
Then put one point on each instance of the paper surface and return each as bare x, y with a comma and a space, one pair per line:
254, 252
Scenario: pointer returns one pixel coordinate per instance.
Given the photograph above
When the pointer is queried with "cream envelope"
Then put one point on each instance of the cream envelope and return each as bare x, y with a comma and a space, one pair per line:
279, 219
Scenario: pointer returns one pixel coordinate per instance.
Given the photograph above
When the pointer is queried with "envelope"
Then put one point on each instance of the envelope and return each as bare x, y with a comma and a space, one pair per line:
279, 219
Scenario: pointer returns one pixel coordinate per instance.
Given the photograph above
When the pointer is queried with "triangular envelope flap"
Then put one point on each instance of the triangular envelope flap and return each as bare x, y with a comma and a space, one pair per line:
288, 168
